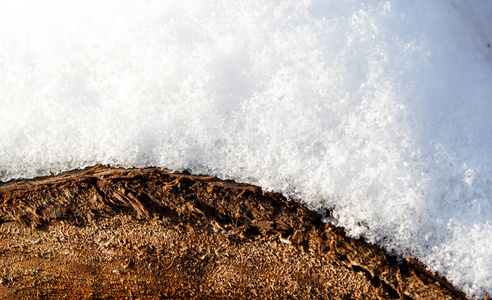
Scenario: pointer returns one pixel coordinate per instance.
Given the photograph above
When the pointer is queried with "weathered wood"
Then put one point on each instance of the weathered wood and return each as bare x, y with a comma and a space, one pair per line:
147, 233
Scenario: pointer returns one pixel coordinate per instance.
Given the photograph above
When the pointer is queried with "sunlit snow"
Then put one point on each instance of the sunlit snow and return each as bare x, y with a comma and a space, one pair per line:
379, 110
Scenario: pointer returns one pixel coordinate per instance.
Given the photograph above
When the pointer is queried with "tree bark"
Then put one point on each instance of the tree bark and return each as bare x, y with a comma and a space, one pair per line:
104, 232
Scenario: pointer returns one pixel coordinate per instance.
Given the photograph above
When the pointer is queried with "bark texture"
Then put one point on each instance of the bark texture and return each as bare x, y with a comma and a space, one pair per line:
104, 233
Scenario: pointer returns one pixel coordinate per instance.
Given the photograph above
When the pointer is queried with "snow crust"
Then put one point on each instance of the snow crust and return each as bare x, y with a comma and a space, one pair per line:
379, 110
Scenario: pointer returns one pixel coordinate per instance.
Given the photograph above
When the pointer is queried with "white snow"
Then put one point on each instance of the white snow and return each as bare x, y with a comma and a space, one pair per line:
380, 110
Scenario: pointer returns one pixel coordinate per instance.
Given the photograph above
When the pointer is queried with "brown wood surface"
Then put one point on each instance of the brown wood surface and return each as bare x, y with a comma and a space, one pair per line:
108, 233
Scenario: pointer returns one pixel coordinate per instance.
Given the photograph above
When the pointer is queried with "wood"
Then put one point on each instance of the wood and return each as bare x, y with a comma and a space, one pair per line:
103, 233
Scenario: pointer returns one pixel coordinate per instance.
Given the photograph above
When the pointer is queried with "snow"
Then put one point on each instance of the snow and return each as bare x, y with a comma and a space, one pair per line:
379, 110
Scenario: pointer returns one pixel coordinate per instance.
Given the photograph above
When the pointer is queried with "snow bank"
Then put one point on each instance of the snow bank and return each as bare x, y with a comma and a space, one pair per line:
380, 110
